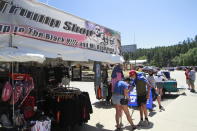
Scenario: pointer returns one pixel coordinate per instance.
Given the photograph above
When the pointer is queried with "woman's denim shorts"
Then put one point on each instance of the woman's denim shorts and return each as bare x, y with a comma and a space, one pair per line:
116, 98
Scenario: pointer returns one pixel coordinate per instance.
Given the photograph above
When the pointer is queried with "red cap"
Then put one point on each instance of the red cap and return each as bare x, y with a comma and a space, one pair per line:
132, 73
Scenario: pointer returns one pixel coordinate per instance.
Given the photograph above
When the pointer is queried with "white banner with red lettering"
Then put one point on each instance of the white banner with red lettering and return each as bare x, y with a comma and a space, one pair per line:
32, 22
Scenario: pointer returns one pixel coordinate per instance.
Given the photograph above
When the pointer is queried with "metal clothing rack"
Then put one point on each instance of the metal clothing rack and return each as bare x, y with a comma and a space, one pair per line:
66, 90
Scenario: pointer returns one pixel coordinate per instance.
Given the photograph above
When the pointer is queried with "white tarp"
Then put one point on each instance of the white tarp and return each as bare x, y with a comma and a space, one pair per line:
50, 50
10, 54
137, 61
103, 57
4, 40
67, 53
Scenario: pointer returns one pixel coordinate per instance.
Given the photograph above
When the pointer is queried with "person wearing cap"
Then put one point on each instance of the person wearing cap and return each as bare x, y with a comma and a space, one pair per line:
121, 91
143, 93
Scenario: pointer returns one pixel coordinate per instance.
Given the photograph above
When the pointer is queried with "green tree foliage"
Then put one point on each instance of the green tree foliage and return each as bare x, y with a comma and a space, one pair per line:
126, 57
184, 53
187, 59
142, 58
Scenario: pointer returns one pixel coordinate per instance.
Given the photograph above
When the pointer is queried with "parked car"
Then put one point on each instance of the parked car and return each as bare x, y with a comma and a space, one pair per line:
171, 68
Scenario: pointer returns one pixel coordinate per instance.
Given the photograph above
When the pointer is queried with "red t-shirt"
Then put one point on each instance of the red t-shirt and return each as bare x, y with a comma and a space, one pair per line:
187, 75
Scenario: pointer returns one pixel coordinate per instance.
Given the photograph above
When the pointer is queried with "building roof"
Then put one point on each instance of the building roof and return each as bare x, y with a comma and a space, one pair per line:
137, 61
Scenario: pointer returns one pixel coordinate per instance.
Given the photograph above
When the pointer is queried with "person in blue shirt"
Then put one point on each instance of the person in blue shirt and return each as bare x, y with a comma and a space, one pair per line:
121, 91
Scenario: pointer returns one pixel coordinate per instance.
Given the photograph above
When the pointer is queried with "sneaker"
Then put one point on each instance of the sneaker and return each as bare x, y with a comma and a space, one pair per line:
161, 108
151, 110
146, 123
192, 90
140, 123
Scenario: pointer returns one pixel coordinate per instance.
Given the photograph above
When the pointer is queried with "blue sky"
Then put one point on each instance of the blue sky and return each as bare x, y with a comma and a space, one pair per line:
152, 22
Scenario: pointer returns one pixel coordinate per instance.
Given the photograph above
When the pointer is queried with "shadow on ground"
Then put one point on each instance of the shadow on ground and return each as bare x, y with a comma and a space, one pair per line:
86, 127
149, 126
170, 96
152, 113
103, 104
194, 92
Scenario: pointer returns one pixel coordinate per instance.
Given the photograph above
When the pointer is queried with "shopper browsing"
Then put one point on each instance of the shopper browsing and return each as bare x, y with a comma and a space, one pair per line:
121, 92
187, 71
192, 78
155, 95
159, 79
143, 93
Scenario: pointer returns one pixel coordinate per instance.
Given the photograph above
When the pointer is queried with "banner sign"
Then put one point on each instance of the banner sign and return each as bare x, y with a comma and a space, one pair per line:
133, 99
39, 21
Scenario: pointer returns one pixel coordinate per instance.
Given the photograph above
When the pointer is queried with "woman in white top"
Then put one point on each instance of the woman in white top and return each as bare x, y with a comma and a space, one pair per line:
155, 95
159, 78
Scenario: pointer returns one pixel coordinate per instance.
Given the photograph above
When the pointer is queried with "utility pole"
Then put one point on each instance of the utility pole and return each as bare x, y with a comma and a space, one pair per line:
134, 43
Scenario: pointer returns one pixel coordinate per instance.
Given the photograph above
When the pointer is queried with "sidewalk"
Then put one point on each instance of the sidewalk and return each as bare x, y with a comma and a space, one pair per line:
180, 115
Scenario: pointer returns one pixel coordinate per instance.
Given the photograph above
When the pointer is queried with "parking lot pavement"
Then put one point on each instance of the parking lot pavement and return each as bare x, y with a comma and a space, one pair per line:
181, 115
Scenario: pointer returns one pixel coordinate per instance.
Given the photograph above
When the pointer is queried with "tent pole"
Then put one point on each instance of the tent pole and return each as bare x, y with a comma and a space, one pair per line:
13, 92
12, 71
10, 41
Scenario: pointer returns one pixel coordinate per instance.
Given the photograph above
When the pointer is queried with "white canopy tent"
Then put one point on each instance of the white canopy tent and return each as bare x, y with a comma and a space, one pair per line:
67, 53
10, 54
32, 31
25, 49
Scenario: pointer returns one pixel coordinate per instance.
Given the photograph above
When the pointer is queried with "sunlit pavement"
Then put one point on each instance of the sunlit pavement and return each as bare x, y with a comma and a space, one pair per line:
180, 111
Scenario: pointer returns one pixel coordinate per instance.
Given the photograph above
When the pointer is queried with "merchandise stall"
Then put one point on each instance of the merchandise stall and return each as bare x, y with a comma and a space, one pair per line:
29, 92
105, 84
38, 45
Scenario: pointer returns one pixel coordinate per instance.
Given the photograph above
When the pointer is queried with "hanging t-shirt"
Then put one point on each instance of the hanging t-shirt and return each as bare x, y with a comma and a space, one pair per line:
97, 71
50, 75
42, 126
6, 92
